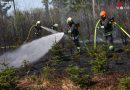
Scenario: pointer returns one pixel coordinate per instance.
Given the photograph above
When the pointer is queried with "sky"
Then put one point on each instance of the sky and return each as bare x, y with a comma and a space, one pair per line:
27, 4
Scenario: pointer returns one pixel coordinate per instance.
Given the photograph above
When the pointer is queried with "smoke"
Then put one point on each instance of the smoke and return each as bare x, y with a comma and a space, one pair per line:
32, 51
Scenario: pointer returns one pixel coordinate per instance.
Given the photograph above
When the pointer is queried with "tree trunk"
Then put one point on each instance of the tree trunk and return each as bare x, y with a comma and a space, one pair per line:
93, 4
14, 23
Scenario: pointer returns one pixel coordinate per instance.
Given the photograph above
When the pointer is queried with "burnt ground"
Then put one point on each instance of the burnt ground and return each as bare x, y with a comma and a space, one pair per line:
118, 61
118, 64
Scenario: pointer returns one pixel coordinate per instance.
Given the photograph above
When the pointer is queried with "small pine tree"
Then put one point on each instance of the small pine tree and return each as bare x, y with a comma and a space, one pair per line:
99, 65
78, 75
48, 73
56, 53
124, 83
8, 79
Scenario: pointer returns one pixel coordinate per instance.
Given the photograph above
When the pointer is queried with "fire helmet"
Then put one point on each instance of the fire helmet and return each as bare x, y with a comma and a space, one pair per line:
69, 20
103, 13
38, 22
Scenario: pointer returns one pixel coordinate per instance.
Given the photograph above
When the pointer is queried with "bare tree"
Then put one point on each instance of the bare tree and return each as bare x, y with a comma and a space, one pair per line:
93, 4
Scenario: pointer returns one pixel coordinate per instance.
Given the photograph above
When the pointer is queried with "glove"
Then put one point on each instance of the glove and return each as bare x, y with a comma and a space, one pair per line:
69, 31
77, 37
114, 23
73, 38
98, 28
102, 27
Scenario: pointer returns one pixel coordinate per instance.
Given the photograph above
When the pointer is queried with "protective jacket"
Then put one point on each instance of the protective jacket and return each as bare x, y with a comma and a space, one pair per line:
107, 26
38, 31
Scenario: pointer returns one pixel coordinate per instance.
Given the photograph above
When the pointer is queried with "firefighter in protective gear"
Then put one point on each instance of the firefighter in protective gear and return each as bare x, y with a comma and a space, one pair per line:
55, 27
74, 32
106, 24
37, 30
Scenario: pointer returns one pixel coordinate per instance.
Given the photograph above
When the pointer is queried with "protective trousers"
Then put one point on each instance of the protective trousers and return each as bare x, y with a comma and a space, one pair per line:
109, 40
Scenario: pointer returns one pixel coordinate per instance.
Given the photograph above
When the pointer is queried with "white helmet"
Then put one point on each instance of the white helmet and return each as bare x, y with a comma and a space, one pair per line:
55, 25
69, 19
38, 22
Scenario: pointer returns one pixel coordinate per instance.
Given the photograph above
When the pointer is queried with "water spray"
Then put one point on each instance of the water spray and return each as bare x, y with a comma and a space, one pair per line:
31, 51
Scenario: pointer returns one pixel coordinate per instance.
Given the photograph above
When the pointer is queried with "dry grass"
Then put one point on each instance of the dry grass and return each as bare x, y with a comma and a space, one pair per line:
102, 82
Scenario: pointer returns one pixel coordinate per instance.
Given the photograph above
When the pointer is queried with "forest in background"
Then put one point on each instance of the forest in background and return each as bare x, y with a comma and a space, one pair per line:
14, 28
61, 68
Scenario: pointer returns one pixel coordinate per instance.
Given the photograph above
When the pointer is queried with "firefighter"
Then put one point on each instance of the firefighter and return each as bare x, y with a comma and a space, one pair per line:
106, 24
74, 32
37, 30
55, 27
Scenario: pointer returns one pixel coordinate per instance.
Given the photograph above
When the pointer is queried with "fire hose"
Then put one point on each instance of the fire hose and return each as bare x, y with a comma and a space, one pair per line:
15, 46
95, 32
